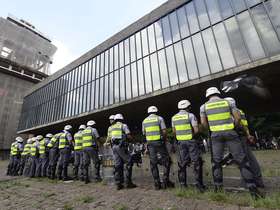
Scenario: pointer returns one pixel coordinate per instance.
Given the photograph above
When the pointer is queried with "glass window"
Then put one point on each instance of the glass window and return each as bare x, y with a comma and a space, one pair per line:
88, 96
117, 86
235, 38
225, 8
89, 70
273, 8
166, 31
116, 56
101, 92
132, 48
224, 46
92, 96
106, 62
192, 19
202, 13
213, 10
126, 52
106, 90
155, 72
97, 67
251, 3
183, 24
163, 69
82, 75
266, 30
78, 78
111, 59
238, 5
141, 77
147, 71
81, 100
250, 36
134, 80
152, 40
183, 76
93, 68
145, 46
174, 26
96, 102
138, 45
111, 88
74, 98
171, 63
128, 82
101, 64
85, 98
211, 50
200, 55
122, 84
159, 36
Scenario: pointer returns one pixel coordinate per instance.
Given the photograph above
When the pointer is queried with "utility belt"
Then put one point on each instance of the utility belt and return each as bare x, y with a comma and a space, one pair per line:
119, 142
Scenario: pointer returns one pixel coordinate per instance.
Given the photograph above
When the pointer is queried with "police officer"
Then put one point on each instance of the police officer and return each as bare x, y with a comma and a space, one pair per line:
65, 144
13, 152
108, 139
185, 127
34, 155
216, 114
41, 156
154, 129
90, 151
16, 149
247, 137
53, 155
24, 156
119, 134
78, 152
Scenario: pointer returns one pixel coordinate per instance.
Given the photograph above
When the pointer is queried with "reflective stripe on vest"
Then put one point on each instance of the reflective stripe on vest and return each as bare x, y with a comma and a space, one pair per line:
182, 126
26, 149
219, 116
63, 142
14, 149
33, 149
244, 121
78, 139
54, 140
152, 128
117, 131
42, 147
87, 138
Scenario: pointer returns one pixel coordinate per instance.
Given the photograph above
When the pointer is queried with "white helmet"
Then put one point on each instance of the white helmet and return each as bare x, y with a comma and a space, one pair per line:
82, 127
118, 117
112, 117
211, 91
231, 100
91, 123
49, 135
33, 139
29, 141
19, 139
68, 127
184, 104
39, 137
152, 109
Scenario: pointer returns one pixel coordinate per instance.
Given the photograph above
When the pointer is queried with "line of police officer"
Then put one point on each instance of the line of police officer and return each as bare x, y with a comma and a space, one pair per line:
226, 124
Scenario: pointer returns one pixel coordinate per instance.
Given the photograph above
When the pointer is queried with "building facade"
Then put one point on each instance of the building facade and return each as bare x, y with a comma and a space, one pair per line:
178, 45
25, 55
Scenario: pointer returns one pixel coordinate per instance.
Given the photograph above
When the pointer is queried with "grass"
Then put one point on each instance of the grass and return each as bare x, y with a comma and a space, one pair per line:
120, 207
67, 206
271, 201
12, 183
48, 194
86, 199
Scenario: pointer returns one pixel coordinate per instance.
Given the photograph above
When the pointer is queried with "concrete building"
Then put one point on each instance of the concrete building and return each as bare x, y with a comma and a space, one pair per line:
25, 56
174, 52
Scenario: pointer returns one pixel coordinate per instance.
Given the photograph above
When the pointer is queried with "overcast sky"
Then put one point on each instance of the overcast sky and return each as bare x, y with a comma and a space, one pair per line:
77, 26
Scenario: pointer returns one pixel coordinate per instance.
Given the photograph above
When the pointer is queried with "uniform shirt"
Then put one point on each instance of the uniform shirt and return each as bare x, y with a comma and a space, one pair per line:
20, 147
192, 118
94, 132
232, 108
125, 130
161, 123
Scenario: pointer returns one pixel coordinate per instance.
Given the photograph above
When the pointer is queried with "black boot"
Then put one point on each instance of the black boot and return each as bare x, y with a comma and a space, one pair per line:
130, 185
255, 193
218, 188
119, 186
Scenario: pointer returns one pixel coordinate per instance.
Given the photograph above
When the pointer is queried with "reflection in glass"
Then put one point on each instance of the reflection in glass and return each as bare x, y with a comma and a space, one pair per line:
128, 82
159, 36
88, 96
213, 10
273, 8
147, 71
211, 50
101, 92
238, 5
96, 102
151, 37
97, 67
117, 86
171, 63
251, 3
89, 70
250, 36
145, 46
126, 52
106, 62
155, 72
121, 54
122, 84
183, 24
201, 13
200, 55
266, 30
132, 48
93, 68
85, 98
116, 57
183, 76
163, 69
106, 90
81, 100
101, 64
192, 19
77, 101
224, 46
238, 46
92, 96
111, 88
138, 45
166, 31
111, 59
141, 77
225, 8
134, 80
174, 26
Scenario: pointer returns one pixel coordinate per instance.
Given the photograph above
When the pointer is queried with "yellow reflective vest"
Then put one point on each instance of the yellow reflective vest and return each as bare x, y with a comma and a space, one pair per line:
182, 126
152, 128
